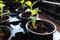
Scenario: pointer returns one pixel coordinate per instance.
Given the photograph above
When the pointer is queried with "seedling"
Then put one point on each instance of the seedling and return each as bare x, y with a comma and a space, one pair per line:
22, 2
30, 4
33, 11
2, 10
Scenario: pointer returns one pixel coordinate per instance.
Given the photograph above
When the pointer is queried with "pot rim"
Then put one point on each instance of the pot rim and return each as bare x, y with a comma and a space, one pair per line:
6, 20
42, 33
23, 17
8, 28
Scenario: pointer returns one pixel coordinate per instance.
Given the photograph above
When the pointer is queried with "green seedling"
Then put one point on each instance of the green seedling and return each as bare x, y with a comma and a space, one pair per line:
2, 10
22, 2
33, 11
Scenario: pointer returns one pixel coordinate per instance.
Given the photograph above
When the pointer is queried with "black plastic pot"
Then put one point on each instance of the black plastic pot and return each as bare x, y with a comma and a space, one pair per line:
34, 35
24, 19
20, 36
6, 32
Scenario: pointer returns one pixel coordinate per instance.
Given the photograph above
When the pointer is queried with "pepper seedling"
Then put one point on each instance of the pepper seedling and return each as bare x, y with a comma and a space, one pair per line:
22, 2
33, 11
30, 4
2, 10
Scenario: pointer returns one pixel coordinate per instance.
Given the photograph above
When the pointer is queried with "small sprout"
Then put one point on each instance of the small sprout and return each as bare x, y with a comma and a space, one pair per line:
33, 11
22, 1
2, 10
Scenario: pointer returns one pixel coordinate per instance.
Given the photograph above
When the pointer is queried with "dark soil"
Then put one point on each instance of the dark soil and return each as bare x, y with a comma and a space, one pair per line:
42, 27
3, 18
5, 33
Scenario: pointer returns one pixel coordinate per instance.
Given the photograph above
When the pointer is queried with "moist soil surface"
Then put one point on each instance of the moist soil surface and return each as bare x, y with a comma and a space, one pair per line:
41, 27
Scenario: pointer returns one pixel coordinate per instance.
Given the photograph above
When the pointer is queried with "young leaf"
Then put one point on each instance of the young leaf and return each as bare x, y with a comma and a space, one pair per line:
34, 11
1, 5
34, 3
22, 1
16, 0
1, 1
29, 3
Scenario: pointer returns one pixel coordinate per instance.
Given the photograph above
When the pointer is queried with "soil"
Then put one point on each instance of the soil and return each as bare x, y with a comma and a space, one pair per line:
42, 27
26, 14
3, 18
5, 34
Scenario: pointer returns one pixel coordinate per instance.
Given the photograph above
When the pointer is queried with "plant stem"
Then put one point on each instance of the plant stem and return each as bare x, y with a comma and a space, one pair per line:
35, 27
31, 7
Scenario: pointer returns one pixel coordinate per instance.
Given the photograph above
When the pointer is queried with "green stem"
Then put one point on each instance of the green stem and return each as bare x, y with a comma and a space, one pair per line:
31, 7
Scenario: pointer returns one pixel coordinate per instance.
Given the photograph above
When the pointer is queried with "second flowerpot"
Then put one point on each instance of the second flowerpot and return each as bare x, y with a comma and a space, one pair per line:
44, 30
5, 32
24, 18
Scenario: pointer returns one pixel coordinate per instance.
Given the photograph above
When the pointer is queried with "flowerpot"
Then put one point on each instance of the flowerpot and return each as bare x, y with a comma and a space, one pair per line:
44, 30
5, 32
4, 20
24, 18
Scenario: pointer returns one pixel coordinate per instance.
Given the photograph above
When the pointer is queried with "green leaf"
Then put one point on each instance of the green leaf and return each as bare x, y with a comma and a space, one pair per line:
6, 13
16, 0
34, 3
1, 5
34, 11
39, 11
9, 12
29, 3
22, 1
1, 1
33, 21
